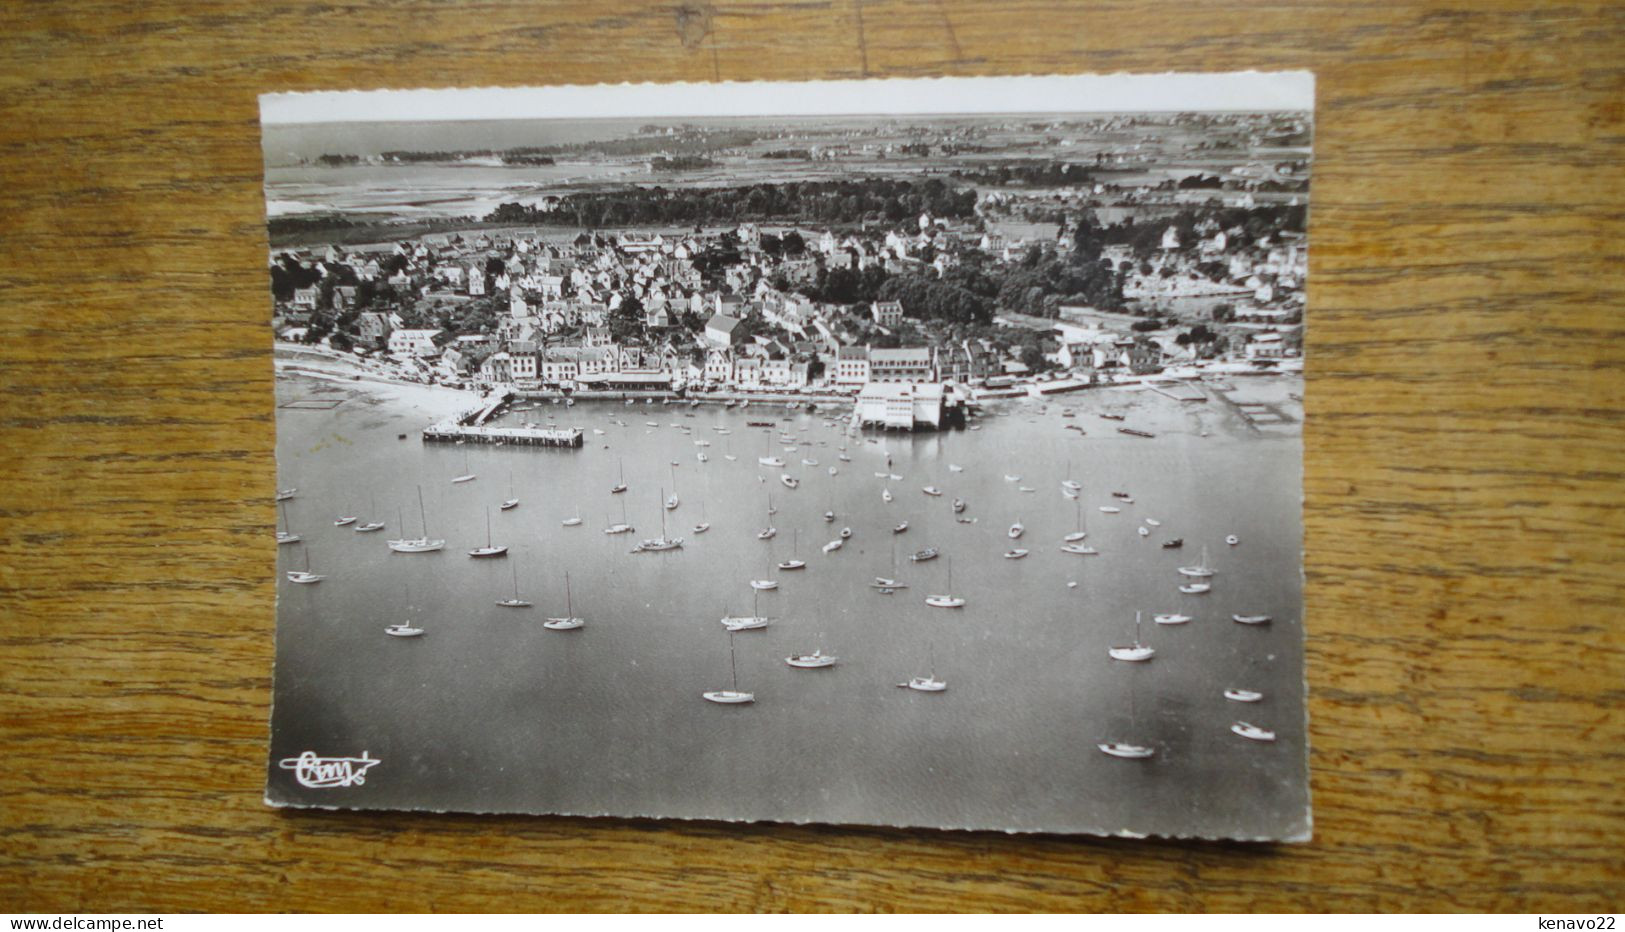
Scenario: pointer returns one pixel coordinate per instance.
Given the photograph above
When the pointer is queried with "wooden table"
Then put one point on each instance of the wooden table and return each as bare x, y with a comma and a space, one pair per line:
1465, 535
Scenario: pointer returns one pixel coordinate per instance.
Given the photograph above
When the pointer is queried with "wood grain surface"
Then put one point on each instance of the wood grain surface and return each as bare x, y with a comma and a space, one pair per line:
1464, 456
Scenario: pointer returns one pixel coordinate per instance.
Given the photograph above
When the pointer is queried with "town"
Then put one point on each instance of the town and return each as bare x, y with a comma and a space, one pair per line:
1009, 292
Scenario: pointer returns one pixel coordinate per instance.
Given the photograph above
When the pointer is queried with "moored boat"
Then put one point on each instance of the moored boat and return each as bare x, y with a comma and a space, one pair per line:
815, 660
1251, 619
1243, 695
732, 696
1136, 652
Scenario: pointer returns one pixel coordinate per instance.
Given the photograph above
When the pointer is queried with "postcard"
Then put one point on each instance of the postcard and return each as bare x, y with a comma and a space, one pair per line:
911, 453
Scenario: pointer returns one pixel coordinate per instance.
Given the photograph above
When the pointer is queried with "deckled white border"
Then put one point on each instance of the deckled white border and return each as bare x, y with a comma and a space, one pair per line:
1254, 91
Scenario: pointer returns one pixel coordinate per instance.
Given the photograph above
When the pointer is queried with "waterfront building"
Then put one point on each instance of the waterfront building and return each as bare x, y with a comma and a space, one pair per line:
901, 405
413, 342
852, 366
913, 364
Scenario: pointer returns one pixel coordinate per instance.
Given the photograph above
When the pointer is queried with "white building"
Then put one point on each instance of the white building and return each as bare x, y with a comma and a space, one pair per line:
900, 406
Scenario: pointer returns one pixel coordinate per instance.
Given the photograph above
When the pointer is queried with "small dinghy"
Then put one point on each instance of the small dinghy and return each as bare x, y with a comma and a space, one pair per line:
1195, 588
403, 631
1127, 751
834, 545
1242, 695
1109, 509
1082, 550
344, 521
1170, 619
1252, 732
1232, 540
1016, 554
1251, 619
900, 528
932, 491
812, 661
1016, 530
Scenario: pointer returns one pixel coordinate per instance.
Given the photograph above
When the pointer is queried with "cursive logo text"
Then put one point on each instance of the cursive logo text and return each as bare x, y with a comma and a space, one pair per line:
325, 772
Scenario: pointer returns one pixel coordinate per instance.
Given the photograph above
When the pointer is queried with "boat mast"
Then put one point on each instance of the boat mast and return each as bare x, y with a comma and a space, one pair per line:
487, 528
567, 609
515, 566
732, 665
423, 516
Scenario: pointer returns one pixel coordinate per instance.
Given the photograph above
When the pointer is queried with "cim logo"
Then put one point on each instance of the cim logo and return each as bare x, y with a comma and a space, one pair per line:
322, 773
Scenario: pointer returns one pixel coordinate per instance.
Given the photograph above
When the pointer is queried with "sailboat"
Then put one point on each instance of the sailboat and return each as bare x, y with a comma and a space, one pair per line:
1195, 588
900, 528
1068, 484
927, 684
1136, 652
468, 474
344, 520
733, 695
1170, 619
575, 521
623, 527
885, 495
1016, 530
752, 622
285, 536
789, 481
793, 563
516, 601
512, 502
672, 500
835, 545
764, 584
768, 532
1016, 553
889, 584
488, 550
1124, 749
1243, 695
662, 542
372, 508
283, 495
404, 629
1200, 570
704, 525
568, 621
1080, 533
620, 482
305, 577
1250, 619
422, 544
946, 600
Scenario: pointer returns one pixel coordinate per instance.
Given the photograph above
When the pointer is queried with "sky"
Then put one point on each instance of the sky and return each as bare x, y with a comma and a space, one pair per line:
1251, 91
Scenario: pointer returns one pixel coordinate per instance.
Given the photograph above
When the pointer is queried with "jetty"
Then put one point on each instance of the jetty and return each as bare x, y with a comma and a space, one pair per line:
468, 427
516, 436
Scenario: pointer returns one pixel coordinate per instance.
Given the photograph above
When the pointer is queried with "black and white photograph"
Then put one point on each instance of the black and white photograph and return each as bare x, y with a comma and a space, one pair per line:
916, 453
